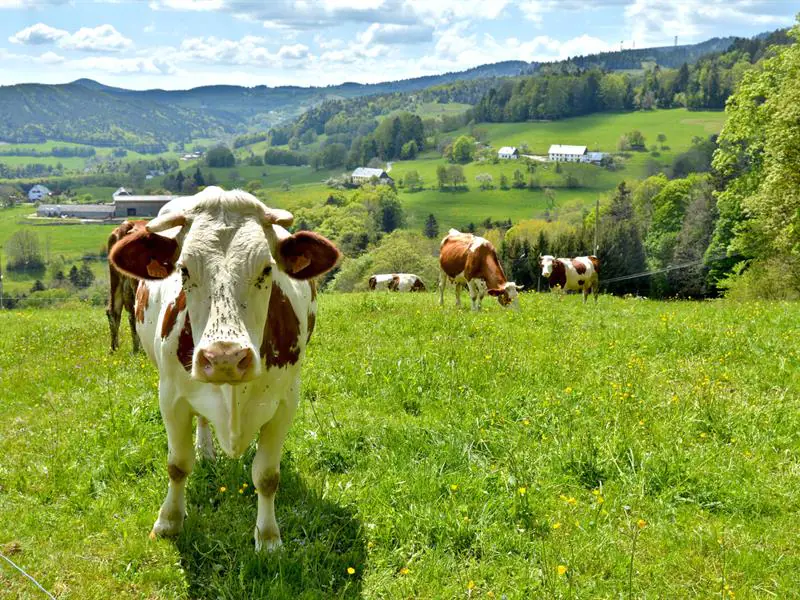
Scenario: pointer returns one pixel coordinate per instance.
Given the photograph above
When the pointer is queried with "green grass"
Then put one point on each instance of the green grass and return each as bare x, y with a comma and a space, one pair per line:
487, 448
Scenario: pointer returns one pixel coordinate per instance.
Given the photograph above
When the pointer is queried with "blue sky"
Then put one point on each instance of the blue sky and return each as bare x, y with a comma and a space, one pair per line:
178, 44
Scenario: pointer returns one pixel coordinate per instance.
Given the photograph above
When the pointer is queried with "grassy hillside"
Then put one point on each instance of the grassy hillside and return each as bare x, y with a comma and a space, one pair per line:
629, 449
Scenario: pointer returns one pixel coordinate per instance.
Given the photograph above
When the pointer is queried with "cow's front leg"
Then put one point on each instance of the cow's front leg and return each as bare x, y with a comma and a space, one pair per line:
204, 442
442, 285
474, 295
180, 461
458, 287
267, 471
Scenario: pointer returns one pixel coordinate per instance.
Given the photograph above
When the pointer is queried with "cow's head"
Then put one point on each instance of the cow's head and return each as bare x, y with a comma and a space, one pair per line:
546, 263
507, 295
227, 247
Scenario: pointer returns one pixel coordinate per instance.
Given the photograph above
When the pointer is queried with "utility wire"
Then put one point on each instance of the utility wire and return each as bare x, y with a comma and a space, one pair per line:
21, 570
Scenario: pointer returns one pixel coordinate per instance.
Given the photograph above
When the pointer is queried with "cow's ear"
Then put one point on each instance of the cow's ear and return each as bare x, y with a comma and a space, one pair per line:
145, 255
306, 254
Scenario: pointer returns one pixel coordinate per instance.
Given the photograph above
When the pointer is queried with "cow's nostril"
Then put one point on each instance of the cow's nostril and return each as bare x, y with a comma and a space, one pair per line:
245, 361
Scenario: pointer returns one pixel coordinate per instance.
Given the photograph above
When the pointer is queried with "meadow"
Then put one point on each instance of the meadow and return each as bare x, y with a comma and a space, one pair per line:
632, 449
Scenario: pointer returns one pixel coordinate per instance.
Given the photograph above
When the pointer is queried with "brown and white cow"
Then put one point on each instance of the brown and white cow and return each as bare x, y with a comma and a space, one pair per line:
228, 310
396, 282
467, 259
121, 289
572, 274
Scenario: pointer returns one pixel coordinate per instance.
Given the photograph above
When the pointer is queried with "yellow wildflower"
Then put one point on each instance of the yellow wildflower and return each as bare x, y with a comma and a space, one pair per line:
223, 489
453, 487
471, 585
404, 571
641, 523
351, 571
522, 490
562, 569
557, 525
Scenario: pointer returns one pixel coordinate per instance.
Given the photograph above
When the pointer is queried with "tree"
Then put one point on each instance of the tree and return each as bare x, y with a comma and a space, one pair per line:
621, 251
37, 286
485, 181
518, 180
503, 181
85, 275
431, 229
463, 149
409, 150
220, 156
441, 176
412, 181
199, 180
22, 252
456, 176
74, 277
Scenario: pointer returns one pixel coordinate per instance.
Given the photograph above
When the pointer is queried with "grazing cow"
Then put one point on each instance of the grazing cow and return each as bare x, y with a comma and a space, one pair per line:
467, 259
122, 289
228, 310
397, 282
572, 274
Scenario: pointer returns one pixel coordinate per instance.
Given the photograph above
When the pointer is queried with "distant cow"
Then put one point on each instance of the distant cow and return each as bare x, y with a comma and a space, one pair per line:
121, 289
572, 274
466, 259
397, 282
229, 307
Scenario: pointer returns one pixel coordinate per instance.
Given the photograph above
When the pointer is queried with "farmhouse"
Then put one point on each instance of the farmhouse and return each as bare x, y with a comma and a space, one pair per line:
563, 153
365, 174
508, 153
98, 212
37, 192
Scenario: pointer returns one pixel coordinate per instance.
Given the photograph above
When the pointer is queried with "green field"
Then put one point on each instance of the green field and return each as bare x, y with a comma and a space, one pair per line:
633, 449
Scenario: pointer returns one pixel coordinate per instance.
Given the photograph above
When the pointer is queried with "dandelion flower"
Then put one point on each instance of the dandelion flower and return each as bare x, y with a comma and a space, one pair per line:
351, 571
568, 390
522, 490
453, 487
223, 489
470, 585
404, 571
641, 523
562, 569
557, 525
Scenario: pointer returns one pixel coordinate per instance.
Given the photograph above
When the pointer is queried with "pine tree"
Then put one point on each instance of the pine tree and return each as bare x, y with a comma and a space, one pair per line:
199, 181
431, 229
37, 286
74, 277
85, 276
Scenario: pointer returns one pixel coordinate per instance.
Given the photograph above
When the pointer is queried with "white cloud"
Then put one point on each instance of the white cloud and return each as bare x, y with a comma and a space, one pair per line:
294, 52
112, 64
38, 34
50, 58
30, 3
104, 38
249, 50
654, 22
391, 34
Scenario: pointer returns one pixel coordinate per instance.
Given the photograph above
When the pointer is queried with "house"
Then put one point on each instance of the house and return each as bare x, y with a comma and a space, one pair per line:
37, 192
563, 153
594, 157
94, 212
365, 174
121, 192
508, 153
139, 206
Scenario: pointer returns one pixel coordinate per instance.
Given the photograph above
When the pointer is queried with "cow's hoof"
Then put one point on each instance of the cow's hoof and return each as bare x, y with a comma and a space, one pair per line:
166, 527
267, 543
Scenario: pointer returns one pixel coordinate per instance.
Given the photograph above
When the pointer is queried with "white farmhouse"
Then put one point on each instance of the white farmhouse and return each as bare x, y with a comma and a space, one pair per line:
37, 192
365, 175
508, 153
563, 153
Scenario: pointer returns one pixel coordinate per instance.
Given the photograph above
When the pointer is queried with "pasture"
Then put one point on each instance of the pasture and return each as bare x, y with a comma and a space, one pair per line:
630, 449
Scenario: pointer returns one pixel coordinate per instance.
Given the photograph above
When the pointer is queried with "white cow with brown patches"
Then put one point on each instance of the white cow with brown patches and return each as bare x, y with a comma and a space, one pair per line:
579, 274
225, 308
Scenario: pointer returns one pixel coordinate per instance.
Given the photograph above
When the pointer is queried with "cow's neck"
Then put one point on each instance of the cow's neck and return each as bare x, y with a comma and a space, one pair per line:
493, 272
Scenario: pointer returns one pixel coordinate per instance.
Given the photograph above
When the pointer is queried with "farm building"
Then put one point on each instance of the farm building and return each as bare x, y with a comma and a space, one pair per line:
365, 175
121, 192
593, 157
139, 206
37, 192
564, 153
100, 212
508, 153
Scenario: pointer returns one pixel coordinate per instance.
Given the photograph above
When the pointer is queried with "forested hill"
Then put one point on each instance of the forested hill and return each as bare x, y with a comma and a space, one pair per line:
88, 112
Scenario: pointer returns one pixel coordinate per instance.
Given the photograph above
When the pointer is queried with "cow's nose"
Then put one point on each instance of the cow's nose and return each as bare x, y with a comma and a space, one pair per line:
226, 362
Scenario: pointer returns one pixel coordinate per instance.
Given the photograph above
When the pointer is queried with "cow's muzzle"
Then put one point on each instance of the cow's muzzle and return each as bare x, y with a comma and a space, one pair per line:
225, 362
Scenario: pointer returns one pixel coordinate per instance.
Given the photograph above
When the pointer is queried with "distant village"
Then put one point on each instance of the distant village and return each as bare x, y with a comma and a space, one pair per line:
126, 204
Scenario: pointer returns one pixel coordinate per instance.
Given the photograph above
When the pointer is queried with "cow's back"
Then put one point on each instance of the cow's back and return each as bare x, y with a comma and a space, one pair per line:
453, 253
